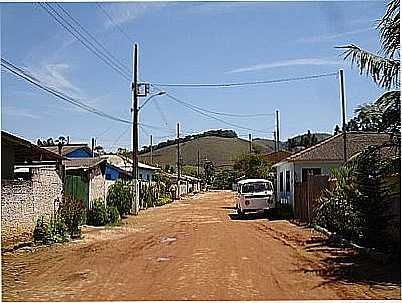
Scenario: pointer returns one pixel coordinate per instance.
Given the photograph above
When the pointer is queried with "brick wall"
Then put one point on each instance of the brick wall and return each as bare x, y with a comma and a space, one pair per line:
96, 185
23, 202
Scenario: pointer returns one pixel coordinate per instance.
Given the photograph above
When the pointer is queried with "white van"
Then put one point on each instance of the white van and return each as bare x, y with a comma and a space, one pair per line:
254, 195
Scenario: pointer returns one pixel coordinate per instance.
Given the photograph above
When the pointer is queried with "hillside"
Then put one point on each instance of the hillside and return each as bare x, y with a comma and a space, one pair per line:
221, 151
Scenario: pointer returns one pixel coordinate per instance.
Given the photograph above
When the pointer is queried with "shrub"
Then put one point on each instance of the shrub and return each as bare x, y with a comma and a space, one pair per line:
72, 211
285, 210
48, 231
97, 215
113, 216
162, 200
120, 196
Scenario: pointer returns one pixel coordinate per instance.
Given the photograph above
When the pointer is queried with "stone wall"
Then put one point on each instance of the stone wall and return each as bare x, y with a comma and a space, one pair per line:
96, 185
24, 201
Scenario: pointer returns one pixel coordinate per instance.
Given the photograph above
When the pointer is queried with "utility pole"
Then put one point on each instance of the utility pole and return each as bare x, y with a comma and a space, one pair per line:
151, 151
178, 160
93, 147
342, 91
277, 129
249, 142
275, 141
134, 88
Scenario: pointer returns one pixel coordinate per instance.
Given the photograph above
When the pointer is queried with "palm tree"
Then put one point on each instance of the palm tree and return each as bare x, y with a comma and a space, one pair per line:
383, 67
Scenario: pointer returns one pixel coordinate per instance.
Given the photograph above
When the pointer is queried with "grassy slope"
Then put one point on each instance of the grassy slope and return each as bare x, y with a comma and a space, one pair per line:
221, 151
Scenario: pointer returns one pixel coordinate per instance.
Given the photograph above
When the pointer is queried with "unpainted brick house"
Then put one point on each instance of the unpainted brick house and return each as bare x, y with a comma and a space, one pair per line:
31, 186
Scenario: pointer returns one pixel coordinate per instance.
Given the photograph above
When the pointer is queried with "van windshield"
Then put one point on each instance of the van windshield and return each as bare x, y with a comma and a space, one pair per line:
256, 187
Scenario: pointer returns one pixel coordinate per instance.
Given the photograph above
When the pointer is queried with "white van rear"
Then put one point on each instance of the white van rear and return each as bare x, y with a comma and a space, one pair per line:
254, 195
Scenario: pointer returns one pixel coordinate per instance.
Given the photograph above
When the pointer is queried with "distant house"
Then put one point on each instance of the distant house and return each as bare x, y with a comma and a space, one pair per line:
31, 186
319, 159
80, 150
145, 172
188, 184
277, 156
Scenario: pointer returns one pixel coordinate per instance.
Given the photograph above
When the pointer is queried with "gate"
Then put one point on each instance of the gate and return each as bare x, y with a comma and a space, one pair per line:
77, 187
306, 195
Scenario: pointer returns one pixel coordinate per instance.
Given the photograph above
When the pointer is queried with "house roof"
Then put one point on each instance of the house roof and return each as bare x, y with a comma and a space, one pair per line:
331, 149
25, 151
86, 163
69, 148
117, 160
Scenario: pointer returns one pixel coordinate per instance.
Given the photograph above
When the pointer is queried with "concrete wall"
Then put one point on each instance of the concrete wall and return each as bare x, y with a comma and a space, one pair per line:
24, 201
97, 184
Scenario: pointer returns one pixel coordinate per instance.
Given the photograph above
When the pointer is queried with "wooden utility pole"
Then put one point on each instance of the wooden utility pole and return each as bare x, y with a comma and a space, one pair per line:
275, 141
249, 142
134, 88
277, 130
342, 91
151, 151
178, 160
93, 147
198, 162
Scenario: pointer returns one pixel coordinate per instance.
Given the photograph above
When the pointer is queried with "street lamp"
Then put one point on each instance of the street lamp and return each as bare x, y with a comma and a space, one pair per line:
154, 95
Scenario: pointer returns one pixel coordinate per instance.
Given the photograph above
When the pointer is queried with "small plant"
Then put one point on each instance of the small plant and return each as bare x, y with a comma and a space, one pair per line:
97, 215
113, 216
72, 212
285, 210
120, 196
48, 231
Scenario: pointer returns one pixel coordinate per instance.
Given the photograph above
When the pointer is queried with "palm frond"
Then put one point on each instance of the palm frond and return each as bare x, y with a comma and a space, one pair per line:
384, 71
389, 27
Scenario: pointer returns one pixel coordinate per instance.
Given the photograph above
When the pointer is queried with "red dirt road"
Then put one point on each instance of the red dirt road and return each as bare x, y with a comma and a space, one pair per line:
195, 249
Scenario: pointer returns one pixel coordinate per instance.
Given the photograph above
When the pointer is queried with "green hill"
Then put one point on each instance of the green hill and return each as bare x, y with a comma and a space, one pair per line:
222, 151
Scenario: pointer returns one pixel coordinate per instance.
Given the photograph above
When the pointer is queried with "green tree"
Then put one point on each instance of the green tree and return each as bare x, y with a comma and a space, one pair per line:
120, 195
252, 166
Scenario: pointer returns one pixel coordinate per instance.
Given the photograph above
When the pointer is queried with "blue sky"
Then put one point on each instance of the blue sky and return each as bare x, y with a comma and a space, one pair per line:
186, 42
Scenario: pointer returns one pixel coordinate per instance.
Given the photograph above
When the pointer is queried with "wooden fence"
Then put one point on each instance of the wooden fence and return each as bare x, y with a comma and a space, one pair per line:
306, 195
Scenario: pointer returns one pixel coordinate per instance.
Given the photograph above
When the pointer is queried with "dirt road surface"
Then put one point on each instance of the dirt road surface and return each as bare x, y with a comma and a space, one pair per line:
196, 249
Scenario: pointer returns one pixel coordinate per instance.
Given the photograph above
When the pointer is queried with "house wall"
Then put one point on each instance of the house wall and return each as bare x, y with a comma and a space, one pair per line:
143, 173
283, 195
24, 201
96, 185
324, 166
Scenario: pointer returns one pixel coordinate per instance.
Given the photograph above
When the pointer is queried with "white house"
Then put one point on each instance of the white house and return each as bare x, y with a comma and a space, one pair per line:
319, 159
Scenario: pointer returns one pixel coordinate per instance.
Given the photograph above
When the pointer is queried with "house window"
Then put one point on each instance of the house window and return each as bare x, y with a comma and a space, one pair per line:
288, 181
281, 182
148, 177
108, 177
310, 171
140, 176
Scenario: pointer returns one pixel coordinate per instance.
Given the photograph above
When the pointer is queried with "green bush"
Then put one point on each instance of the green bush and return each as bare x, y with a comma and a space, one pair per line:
113, 216
284, 210
72, 211
97, 215
163, 200
48, 231
120, 196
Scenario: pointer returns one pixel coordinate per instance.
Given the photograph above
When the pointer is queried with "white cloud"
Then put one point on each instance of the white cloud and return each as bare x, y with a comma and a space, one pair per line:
54, 75
127, 12
219, 7
334, 36
285, 63
18, 112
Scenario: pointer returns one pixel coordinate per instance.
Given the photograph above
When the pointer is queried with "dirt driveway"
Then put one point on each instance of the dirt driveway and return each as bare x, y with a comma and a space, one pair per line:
196, 249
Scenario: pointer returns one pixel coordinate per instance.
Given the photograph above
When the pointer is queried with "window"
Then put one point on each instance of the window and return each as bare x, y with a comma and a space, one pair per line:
108, 177
281, 182
310, 171
256, 187
140, 176
288, 181
148, 178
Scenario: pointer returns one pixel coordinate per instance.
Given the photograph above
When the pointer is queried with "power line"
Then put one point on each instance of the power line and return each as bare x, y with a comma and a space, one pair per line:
199, 110
117, 61
113, 22
198, 85
106, 60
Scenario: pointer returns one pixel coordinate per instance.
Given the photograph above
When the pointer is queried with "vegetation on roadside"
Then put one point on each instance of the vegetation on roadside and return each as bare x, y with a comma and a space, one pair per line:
120, 195
100, 214
63, 225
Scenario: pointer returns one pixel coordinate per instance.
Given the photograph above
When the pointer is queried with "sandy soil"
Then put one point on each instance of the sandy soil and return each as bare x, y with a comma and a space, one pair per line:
196, 249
